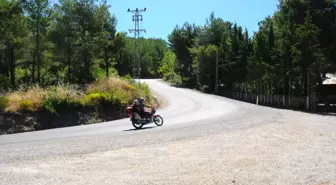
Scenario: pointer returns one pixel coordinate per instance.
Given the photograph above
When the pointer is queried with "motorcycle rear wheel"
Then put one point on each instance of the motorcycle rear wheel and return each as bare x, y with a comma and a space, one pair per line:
137, 125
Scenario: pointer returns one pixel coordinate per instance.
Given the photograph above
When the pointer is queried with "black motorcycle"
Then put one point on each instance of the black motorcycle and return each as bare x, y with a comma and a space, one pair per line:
138, 122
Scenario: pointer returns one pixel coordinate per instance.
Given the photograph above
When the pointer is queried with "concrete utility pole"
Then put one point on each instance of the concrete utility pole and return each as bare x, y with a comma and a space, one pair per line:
136, 18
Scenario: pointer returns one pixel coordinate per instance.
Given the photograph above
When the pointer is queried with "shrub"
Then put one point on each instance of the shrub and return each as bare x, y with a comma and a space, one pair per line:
3, 103
4, 83
173, 78
27, 105
51, 105
110, 85
55, 99
122, 97
35, 94
120, 91
62, 97
143, 90
94, 99
55, 104
128, 78
65, 92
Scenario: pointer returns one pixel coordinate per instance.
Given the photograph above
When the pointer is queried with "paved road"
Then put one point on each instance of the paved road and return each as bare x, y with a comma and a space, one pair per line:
199, 129
186, 109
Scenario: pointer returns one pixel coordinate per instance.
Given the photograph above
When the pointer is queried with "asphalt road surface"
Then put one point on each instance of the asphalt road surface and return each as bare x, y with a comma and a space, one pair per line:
205, 139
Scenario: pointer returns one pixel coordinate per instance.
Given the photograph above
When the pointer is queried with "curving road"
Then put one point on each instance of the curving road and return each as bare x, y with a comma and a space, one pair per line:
205, 139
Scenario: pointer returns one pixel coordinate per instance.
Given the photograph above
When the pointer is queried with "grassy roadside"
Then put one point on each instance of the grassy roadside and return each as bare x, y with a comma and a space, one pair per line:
173, 79
39, 108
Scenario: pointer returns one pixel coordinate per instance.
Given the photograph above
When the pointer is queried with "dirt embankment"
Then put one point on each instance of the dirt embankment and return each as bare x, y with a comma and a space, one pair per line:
40, 120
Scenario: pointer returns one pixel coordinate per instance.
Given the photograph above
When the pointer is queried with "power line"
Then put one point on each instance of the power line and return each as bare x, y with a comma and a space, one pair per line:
136, 18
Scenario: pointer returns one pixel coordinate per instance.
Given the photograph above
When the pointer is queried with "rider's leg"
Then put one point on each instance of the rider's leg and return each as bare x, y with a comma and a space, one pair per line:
142, 114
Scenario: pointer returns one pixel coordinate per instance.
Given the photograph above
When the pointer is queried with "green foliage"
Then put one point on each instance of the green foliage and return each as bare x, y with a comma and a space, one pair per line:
151, 52
99, 73
69, 41
173, 78
4, 83
20, 74
121, 97
117, 98
143, 90
128, 78
97, 98
77, 42
104, 92
3, 102
180, 40
167, 64
26, 105
61, 98
55, 104
297, 41
205, 60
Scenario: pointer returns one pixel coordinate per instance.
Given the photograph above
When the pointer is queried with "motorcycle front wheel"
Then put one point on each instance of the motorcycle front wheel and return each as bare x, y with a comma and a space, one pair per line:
158, 120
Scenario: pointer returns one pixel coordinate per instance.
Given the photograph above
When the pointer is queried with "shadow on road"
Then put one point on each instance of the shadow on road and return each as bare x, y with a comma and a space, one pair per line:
133, 129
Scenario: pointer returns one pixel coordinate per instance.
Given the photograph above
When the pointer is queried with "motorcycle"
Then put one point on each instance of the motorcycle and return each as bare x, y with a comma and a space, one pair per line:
138, 122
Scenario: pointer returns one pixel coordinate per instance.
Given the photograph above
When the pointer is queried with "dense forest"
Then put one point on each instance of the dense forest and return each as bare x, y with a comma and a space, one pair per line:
69, 42
76, 41
290, 54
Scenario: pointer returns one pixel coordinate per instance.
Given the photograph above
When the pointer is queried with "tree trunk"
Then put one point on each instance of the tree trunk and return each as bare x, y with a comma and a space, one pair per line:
33, 66
87, 68
284, 93
289, 91
38, 52
5, 69
271, 92
106, 63
69, 63
11, 63
266, 93
259, 88
305, 82
278, 92
308, 88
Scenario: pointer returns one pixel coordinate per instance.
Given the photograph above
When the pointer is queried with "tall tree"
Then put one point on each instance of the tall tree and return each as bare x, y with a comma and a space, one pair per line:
64, 33
12, 31
39, 18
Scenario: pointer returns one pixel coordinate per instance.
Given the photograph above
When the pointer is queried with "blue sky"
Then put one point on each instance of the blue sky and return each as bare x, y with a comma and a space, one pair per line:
162, 16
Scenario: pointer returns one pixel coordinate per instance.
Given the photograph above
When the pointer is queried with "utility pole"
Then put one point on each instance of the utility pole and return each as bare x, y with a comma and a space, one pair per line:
136, 18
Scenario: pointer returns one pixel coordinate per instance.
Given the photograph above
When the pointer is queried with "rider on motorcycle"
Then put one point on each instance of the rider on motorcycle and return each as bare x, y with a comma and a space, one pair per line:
135, 107
142, 106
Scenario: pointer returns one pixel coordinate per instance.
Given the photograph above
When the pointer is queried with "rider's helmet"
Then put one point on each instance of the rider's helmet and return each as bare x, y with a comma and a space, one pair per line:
136, 102
141, 100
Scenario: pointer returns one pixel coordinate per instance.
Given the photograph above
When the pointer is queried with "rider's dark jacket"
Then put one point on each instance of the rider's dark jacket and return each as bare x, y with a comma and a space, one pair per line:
136, 108
140, 109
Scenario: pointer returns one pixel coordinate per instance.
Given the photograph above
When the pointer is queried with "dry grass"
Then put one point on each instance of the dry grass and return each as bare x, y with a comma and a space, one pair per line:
110, 85
120, 88
114, 89
65, 92
17, 99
